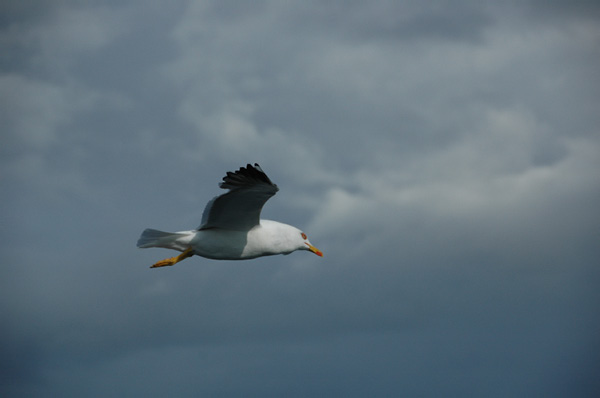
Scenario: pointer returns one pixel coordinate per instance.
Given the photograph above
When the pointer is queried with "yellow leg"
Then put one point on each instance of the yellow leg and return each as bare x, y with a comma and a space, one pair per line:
174, 260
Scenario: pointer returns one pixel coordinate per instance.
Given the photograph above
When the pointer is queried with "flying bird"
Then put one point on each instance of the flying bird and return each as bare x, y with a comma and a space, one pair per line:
231, 228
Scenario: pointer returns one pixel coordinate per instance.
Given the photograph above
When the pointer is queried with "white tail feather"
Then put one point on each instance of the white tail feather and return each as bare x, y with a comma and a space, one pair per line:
156, 238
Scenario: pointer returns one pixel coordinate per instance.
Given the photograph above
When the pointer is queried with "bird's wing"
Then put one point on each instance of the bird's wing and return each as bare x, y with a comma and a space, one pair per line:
239, 209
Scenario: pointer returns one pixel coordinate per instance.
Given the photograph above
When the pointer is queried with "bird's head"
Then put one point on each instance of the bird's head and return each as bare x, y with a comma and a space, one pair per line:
306, 245
285, 239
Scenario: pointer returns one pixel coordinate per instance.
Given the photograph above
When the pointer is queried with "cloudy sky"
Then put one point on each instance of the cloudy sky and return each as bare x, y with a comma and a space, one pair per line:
443, 155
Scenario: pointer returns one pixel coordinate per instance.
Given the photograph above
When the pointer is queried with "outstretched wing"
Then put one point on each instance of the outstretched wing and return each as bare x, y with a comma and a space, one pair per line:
239, 209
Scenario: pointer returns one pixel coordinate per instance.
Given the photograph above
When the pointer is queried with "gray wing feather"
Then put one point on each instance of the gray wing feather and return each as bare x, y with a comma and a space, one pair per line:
239, 209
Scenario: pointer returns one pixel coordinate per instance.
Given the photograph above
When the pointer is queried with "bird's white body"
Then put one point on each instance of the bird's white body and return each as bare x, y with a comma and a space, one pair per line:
267, 238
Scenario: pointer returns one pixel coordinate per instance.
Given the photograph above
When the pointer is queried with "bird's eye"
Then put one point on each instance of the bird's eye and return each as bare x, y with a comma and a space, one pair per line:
303, 235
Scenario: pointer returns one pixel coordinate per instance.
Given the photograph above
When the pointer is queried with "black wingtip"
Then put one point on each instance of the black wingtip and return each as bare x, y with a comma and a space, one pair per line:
246, 177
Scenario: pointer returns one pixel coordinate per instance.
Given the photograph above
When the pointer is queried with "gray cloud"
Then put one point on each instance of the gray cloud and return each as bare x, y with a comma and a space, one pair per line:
443, 157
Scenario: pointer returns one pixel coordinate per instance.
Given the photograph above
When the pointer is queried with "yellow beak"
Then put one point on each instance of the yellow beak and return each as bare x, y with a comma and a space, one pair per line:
315, 250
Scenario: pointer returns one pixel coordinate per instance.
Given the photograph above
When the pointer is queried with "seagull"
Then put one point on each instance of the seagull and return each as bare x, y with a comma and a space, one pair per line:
231, 228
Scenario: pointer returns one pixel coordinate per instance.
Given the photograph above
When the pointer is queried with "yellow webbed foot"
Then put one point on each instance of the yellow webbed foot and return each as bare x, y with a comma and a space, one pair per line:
174, 260
164, 263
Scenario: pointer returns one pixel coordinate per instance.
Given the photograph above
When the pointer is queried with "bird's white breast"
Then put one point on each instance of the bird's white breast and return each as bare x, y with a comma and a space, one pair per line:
267, 238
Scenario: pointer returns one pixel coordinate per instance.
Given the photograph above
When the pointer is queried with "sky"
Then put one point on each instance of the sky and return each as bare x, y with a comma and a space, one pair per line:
443, 155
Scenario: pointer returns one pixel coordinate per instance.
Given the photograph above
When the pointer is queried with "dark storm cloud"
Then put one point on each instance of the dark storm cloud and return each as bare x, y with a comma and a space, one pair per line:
444, 157
578, 10
400, 20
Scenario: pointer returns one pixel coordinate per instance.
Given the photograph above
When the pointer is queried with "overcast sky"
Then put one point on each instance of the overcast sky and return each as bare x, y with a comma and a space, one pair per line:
445, 157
